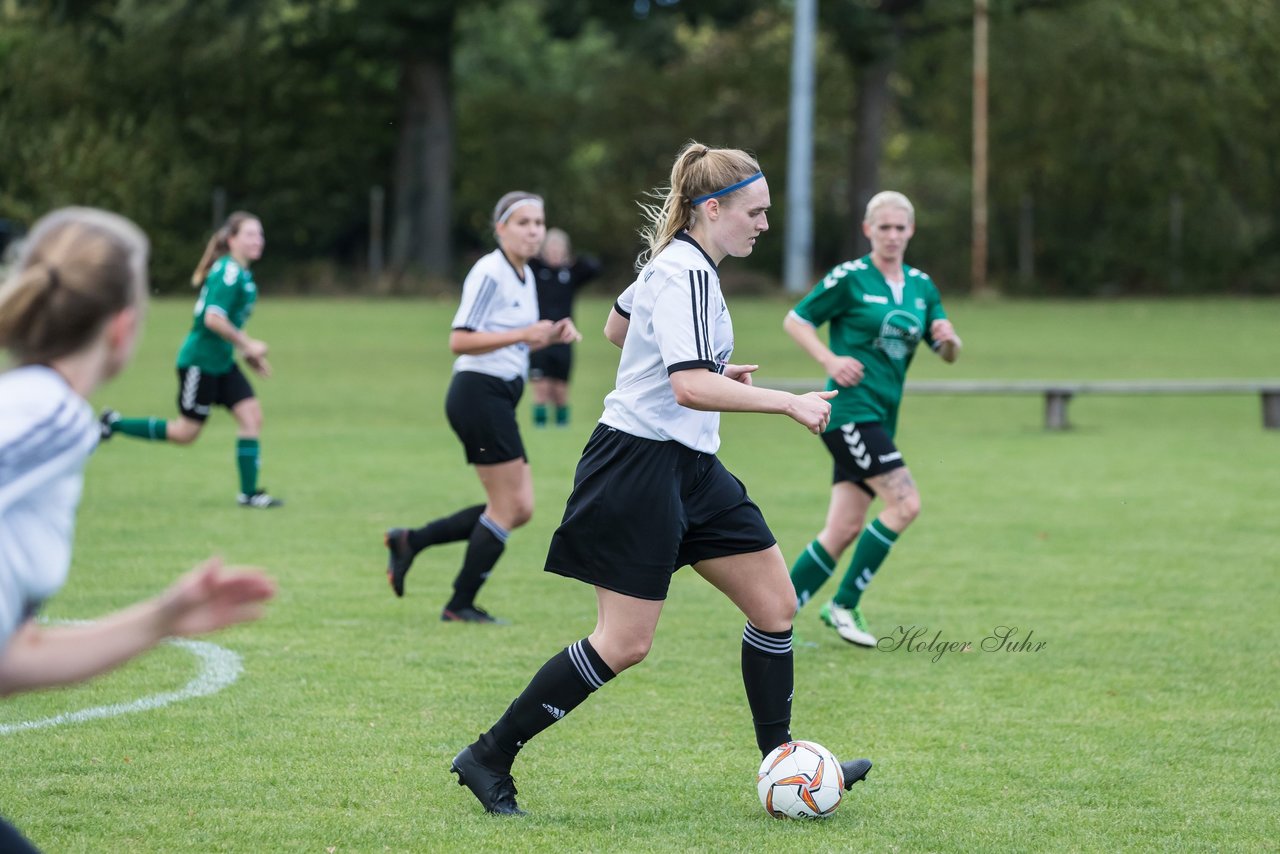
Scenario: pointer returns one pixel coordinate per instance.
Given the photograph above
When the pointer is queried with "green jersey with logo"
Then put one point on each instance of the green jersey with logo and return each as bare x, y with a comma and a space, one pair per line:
878, 324
228, 290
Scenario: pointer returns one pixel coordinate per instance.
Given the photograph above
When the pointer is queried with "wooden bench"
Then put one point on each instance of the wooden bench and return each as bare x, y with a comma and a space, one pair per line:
1058, 393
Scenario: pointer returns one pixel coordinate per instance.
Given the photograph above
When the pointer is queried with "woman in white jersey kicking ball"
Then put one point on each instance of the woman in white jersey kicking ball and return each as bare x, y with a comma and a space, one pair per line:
69, 318
649, 494
496, 327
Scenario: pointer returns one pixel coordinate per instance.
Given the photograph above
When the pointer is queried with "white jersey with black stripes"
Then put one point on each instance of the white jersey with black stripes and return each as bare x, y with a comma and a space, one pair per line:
47, 432
678, 321
496, 297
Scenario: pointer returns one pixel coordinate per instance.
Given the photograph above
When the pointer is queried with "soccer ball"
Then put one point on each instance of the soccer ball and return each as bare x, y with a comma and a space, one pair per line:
800, 779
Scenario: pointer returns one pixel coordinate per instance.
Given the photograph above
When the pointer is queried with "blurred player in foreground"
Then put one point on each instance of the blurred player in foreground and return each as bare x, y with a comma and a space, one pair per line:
70, 315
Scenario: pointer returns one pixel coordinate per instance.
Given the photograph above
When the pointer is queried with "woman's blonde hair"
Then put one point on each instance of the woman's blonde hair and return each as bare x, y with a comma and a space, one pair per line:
698, 170
889, 199
78, 268
219, 244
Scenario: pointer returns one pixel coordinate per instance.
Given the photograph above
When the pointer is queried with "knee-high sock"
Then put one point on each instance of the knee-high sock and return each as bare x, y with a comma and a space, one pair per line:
810, 571
248, 461
446, 529
488, 539
873, 547
563, 683
154, 429
768, 673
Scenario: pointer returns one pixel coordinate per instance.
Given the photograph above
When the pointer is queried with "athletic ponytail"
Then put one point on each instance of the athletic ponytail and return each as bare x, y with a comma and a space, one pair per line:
219, 244
78, 267
698, 170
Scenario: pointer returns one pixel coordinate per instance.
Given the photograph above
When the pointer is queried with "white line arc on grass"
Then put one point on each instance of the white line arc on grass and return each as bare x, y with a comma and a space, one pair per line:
219, 668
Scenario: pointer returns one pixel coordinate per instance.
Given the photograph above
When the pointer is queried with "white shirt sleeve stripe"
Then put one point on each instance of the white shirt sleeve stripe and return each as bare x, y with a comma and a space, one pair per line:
480, 305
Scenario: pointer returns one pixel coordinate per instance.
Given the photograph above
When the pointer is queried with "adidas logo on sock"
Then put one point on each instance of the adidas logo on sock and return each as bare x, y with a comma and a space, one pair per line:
555, 713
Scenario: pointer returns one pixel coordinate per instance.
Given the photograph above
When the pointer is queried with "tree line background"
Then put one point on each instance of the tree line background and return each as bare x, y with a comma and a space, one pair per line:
1134, 146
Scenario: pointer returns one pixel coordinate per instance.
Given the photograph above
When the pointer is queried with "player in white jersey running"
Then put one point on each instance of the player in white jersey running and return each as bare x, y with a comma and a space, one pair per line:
69, 318
649, 494
495, 328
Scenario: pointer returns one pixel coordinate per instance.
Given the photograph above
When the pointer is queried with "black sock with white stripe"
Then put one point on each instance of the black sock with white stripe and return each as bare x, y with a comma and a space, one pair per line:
568, 678
488, 540
446, 529
768, 672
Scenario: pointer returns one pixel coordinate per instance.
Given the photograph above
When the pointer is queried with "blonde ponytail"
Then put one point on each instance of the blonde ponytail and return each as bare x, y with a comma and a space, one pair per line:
78, 267
699, 170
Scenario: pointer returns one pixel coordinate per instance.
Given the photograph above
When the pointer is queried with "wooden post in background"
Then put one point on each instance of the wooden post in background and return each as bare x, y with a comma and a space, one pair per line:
1026, 241
219, 207
377, 207
1175, 241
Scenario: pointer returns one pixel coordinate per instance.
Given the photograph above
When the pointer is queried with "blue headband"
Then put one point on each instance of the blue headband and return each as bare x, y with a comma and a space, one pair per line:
729, 189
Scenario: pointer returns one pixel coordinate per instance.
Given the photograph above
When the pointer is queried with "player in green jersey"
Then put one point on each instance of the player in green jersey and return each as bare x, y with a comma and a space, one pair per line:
207, 370
878, 310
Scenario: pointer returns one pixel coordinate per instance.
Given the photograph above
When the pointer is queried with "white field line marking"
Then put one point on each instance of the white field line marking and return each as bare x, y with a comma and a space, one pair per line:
219, 667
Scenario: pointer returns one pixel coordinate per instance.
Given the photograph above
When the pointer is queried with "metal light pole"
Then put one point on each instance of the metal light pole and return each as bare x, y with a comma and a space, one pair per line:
978, 277
798, 251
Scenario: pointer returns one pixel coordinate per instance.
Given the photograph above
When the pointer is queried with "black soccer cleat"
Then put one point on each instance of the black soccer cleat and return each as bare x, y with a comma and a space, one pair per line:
853, 771
495, 791
470, 614
107, 424
399, 558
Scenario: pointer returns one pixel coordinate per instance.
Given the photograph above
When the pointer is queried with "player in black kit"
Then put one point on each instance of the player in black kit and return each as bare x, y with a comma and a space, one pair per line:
559, 275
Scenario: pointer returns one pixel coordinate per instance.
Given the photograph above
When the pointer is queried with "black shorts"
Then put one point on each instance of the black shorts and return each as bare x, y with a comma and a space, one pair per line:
860, 451
13, 842
199, 390
641, 509
551, 363
482, 411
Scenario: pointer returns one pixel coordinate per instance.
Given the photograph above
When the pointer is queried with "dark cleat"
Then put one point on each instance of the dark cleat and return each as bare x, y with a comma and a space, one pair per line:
495, 791
107, 424
399, 557
470, 614
853, 771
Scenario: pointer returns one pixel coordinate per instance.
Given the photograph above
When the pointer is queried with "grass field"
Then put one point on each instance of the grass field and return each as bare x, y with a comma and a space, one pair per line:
1141, 548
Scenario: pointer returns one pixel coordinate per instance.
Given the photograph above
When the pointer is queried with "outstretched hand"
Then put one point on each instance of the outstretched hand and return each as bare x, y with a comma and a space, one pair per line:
740, 373
212, 597
812, 409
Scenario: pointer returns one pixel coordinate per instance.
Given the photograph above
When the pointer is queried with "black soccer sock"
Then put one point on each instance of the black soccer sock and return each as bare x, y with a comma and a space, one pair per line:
768, 672
488, 539
563, 683
446, 529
